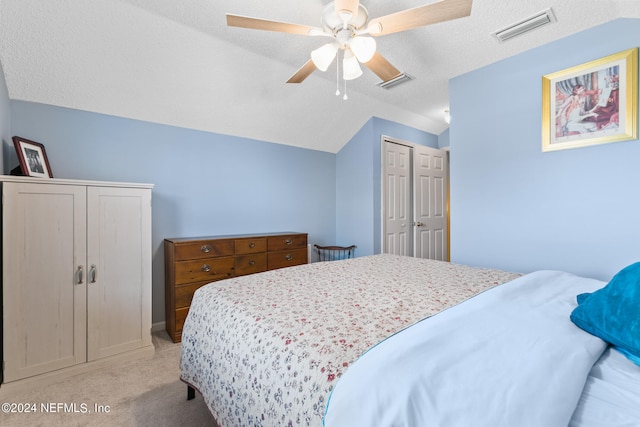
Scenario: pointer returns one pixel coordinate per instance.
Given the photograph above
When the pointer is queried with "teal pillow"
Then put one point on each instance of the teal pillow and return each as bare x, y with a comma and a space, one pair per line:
613, 312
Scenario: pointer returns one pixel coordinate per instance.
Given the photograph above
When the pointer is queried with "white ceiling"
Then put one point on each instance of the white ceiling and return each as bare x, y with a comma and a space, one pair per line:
177, 63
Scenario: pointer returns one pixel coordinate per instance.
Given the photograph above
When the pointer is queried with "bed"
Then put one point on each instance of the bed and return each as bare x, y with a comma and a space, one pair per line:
388, 340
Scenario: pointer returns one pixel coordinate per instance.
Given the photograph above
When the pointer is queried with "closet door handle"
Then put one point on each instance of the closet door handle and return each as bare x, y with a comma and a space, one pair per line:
93, 272
79, 275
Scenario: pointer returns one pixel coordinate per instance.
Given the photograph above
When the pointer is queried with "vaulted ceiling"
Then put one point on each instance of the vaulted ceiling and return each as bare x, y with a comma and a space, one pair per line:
178, 63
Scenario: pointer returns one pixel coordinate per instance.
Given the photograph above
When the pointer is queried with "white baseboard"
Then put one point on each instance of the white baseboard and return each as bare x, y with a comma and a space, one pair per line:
157, 327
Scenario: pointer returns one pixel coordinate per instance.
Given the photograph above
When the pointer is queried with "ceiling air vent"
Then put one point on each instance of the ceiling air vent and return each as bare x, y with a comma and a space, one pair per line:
526, 25
400, 78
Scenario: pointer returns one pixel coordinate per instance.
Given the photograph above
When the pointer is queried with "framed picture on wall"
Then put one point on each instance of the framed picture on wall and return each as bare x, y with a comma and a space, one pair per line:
592, 103
33, 158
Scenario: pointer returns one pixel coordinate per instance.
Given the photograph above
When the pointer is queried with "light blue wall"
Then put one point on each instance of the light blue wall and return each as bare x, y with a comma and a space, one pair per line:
5, 116
212, 184
354, 192
205, 183
358, 182
443, 139
517, 208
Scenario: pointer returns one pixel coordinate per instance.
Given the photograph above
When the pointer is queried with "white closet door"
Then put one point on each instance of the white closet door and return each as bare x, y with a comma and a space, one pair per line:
430, 206
119, 272
44, 288
397, 199
415, 200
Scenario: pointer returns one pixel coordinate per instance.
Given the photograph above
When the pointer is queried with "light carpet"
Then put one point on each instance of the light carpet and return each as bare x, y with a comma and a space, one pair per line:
145, 392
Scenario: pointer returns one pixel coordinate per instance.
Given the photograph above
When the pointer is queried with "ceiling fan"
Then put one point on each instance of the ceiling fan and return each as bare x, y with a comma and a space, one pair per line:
347, 23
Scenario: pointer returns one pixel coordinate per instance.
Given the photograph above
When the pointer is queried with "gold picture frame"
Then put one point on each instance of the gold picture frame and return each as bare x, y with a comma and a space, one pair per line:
593, 103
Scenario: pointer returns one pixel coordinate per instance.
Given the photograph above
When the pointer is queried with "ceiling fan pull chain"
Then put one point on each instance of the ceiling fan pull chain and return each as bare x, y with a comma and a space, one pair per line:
345, 97
337, 77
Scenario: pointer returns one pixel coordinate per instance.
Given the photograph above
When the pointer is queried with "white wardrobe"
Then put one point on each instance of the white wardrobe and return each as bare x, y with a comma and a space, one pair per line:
76, 274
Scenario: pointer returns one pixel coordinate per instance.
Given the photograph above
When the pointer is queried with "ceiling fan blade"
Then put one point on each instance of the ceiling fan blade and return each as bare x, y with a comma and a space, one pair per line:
382, 68
347, 6
304, 72
440, 11
264, 24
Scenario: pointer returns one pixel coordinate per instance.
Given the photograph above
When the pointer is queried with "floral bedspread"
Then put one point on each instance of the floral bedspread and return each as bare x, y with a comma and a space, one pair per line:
266, 349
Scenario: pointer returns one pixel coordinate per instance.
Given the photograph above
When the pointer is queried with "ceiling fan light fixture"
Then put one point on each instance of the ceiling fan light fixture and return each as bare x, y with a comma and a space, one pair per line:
323, 56
350, 67
363, 48
346, 21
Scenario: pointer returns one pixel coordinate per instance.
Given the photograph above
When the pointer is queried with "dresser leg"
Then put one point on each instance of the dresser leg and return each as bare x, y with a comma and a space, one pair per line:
191, 393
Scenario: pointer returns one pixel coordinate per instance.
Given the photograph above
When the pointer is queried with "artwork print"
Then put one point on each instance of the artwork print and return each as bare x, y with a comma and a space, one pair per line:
588, 105
591, 104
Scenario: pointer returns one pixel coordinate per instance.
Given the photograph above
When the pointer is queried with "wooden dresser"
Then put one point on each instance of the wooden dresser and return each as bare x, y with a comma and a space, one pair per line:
194, 262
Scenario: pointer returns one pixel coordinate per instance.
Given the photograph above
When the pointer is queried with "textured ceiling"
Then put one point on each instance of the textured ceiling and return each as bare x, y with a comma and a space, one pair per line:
177, 63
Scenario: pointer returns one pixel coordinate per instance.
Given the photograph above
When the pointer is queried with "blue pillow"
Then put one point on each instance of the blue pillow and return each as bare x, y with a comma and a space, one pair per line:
613, 312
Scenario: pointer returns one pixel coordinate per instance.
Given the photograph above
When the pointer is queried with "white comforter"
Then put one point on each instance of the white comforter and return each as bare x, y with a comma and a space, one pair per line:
611, 396
508, 357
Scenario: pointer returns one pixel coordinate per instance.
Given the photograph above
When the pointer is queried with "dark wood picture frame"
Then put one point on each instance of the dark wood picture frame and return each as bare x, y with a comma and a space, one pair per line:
33, 158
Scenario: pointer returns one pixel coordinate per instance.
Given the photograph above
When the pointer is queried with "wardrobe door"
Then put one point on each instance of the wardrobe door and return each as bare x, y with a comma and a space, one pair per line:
44, 279
119, 270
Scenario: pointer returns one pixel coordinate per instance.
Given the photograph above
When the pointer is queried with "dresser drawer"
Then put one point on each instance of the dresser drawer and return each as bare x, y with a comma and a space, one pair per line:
252, 263
191, 263
285, 242
184, 294
250, 246
286, 258
181, 315
203, 249
208, 269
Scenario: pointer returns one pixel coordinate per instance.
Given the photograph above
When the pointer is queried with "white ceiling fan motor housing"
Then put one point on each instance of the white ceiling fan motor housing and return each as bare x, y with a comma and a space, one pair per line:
332, 22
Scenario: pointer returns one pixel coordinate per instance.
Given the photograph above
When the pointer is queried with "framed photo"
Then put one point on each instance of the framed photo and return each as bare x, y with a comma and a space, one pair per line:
33, 158
592, 103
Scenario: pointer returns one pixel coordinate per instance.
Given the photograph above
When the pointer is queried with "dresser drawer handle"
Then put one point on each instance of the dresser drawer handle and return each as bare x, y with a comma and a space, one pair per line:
288, 257
205, 248
206, 268
288, 242
252, 263
252, 245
